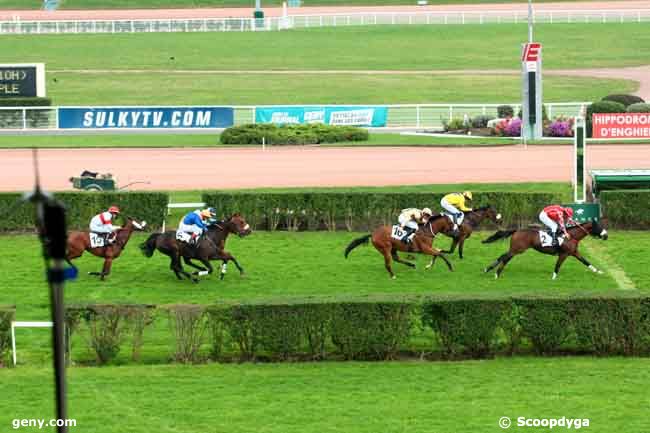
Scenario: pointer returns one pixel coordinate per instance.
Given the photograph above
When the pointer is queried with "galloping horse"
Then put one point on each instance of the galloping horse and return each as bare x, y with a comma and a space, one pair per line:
78, 242
470, 223
210, 247
421, 243
524, 239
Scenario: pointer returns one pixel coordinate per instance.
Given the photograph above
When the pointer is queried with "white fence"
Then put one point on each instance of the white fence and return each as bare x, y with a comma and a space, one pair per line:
399, 116
329, 20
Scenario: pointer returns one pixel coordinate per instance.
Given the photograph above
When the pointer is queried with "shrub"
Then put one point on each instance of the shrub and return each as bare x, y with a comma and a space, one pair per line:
481, 121
560, 127
466, 327
82, 206
639, 108
107, 324
609, 326
545, 322
188, 325
455, 124
291, 134
626, 100
7, 315
626, 209
373, 330
602, 107
505, 111
357, 210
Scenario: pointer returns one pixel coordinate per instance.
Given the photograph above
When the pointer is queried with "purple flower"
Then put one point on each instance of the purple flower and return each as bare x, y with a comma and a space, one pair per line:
561, 128
514, 128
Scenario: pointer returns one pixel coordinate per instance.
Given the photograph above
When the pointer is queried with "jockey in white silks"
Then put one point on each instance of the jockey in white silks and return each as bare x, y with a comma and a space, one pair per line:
102, 224
410, 219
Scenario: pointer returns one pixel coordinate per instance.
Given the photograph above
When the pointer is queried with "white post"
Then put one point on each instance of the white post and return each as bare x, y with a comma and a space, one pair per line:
263, 143
24, 118
13, 342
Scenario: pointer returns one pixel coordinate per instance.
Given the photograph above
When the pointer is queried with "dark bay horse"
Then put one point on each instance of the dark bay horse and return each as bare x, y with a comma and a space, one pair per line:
521, 240
78, 242
470, 223
421, 243
210, 247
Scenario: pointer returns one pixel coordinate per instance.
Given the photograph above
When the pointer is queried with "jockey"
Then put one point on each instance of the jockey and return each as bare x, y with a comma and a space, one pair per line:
409, 220
194, 223
554, 217
102, 225
454, 205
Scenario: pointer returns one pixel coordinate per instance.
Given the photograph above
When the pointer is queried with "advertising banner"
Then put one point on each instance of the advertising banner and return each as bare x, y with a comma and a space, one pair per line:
145, 117
343, 115
621, 125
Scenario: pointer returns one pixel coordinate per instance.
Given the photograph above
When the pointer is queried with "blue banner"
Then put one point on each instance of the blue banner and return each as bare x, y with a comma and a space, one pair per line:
342, 116
145, 117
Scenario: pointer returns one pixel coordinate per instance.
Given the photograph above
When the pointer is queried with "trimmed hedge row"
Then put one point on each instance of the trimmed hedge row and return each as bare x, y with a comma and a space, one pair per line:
359, 210
314, 133
35, 118
626, 208
381, 329
7, 315
82, 206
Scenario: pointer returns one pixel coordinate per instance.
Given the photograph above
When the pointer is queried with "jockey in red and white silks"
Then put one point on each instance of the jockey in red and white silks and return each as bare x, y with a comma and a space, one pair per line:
103, 223
555, 217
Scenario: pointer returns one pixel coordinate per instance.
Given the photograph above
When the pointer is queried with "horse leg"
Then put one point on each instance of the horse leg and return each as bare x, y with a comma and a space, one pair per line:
434, 253
559, 262
504, 262
585, 262
108, 261
398, 260
188, 261
496, 262
387, 263
461, 244
227, 257
177, 267
452, 248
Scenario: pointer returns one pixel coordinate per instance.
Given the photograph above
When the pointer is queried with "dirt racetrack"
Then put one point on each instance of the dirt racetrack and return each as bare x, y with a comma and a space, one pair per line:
183, 169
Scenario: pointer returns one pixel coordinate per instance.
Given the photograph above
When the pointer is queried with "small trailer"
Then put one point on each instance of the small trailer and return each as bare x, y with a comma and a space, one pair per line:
90, 181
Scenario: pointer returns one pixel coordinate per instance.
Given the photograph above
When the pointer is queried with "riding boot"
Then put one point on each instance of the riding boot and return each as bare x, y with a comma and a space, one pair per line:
407, 237
556, 242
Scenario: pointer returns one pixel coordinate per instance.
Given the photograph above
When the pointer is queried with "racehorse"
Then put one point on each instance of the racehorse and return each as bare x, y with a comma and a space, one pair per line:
470, 223
78, 242
521, 240
421, 243
209, 247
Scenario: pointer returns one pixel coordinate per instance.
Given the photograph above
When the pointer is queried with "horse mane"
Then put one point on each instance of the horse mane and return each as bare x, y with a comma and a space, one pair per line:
482, 208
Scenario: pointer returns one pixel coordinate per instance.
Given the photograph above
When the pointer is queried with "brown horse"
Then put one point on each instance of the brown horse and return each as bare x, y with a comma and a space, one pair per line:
524, 239
78, 242
209, 247
421, 243
470, 223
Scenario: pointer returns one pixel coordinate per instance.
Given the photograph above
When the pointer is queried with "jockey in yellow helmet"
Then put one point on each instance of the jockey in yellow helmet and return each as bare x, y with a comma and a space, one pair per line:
194, 224
455, 205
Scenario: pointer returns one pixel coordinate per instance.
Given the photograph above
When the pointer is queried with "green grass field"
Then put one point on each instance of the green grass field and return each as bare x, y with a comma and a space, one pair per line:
146, 4
235, 89
423, 397
162, 58
403, 48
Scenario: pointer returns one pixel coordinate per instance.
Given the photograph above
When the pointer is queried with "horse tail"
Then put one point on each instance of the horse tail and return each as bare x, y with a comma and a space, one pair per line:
501, 234
149, 246
355, 243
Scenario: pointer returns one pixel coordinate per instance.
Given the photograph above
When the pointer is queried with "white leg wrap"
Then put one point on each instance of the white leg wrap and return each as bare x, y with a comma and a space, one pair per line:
593, 268
554, 275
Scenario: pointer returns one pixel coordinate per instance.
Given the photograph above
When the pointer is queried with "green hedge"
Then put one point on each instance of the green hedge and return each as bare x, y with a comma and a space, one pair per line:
382, 329
314, 133
82, 206
641, 107
25, 102
624, 99
7, 315
626, 208
359, 210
